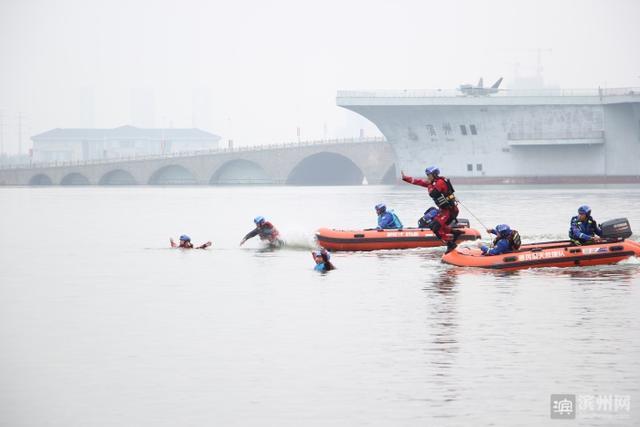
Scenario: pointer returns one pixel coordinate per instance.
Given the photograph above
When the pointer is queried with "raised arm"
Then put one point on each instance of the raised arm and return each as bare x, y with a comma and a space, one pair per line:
414, 181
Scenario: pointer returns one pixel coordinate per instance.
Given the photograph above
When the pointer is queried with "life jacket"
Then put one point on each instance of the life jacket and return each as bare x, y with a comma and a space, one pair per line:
268, 232
396, 221
444, 199
513, 239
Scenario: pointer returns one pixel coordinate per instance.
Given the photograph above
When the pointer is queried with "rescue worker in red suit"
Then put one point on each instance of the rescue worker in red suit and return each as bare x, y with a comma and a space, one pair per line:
441, 191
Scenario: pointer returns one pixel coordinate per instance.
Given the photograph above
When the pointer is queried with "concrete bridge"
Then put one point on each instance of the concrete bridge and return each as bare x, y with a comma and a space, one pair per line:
333, 162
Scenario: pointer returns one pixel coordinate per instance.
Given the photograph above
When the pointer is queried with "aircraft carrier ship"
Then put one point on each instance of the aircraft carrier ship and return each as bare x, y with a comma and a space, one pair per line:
518, 136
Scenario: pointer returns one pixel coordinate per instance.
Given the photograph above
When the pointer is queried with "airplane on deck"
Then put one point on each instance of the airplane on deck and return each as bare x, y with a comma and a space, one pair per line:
480, 90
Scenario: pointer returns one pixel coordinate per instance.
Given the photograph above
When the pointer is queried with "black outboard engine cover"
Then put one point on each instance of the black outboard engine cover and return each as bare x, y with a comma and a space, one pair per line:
460, 222
616, 228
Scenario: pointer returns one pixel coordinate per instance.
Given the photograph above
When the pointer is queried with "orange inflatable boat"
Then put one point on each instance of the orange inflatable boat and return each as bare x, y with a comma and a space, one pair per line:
548, 254
372, 239
612, 248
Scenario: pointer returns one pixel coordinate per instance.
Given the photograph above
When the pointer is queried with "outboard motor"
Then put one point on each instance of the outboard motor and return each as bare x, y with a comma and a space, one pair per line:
616, 228
460, 223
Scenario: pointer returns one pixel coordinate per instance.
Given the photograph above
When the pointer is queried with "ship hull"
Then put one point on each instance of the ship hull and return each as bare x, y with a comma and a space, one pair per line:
511, 140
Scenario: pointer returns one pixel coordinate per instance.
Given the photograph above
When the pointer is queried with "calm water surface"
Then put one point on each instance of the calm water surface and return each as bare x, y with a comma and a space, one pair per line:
102, 325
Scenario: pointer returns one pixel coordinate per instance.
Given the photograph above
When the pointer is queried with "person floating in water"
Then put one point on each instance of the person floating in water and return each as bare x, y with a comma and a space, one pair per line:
322, 258
185, 243
442, 193
583, 227
507, 240
266, 231
387, 219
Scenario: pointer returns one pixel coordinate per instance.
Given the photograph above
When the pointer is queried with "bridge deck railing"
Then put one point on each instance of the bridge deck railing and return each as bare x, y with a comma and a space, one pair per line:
195, 153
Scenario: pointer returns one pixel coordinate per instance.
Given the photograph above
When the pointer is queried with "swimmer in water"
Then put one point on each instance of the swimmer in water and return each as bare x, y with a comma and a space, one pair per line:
267, 232
185, 243
322, 257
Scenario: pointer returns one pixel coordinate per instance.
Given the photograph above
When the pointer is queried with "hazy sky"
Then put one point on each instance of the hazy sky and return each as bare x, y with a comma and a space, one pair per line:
259, 70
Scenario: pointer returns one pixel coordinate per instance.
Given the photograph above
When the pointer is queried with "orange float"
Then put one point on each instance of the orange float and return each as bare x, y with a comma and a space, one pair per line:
373, 239
562, 253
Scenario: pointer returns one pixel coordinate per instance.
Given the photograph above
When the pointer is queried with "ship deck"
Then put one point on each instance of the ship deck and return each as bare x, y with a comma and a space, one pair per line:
504, 98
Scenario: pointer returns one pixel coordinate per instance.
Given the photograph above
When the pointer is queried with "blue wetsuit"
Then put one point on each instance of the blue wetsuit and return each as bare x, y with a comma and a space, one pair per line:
583, 231
500, 246
389, 220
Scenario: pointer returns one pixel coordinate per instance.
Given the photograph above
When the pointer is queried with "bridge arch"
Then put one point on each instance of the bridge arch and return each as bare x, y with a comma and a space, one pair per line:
325, 168
117, 177
74, 178
240, 171
173, 175
40, 179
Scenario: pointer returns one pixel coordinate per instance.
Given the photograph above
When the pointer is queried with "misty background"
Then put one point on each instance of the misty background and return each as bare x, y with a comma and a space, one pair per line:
256, 72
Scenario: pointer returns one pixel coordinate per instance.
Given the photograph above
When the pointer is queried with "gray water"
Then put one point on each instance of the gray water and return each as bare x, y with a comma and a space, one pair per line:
102, 325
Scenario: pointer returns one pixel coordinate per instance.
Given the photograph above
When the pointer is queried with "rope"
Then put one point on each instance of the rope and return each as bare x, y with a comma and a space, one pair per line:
475, 217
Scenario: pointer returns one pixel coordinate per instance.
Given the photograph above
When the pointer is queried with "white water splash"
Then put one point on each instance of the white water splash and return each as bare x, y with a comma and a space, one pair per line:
299, 240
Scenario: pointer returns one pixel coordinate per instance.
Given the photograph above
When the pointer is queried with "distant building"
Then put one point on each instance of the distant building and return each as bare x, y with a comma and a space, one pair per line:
92, 144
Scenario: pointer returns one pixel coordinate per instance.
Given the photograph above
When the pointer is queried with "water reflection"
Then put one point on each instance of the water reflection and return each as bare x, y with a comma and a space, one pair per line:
397, 253
618, 274
483, 274
442, 324
624, 272
445, 282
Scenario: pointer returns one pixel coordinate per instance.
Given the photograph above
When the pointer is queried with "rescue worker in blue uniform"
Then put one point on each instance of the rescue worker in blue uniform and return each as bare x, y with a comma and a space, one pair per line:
426, 221
387, 219
583, 227
507, 240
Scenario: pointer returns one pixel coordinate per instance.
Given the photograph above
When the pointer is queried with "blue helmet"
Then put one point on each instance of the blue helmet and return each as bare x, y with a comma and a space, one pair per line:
323, 253
503, 230
430, 214
432, 170
258, 220
584, 209
185, 238
381, 207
